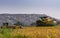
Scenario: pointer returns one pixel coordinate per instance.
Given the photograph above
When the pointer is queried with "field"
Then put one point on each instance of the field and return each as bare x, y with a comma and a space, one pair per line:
31, 32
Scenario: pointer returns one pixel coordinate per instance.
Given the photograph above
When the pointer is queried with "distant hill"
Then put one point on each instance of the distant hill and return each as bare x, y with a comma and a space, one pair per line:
26, 19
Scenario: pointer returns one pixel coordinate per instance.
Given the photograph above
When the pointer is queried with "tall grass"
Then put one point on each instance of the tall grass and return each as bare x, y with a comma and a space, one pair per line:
7, 33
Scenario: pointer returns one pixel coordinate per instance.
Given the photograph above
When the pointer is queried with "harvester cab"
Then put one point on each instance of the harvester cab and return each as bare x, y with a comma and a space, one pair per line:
43, 18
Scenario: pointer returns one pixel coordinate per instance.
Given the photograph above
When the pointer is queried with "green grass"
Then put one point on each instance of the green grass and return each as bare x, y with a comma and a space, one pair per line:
7, 33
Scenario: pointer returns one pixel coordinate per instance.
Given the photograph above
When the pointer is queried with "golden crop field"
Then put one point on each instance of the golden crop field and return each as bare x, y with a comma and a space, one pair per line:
38, 32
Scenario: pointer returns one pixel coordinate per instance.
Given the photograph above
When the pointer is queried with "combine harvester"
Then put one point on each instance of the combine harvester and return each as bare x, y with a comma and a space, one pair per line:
46, 21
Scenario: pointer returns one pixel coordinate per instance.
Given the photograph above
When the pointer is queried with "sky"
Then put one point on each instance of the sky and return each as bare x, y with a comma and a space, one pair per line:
48, 7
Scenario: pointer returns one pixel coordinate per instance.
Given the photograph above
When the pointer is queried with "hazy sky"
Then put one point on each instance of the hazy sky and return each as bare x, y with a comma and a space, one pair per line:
49, 7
